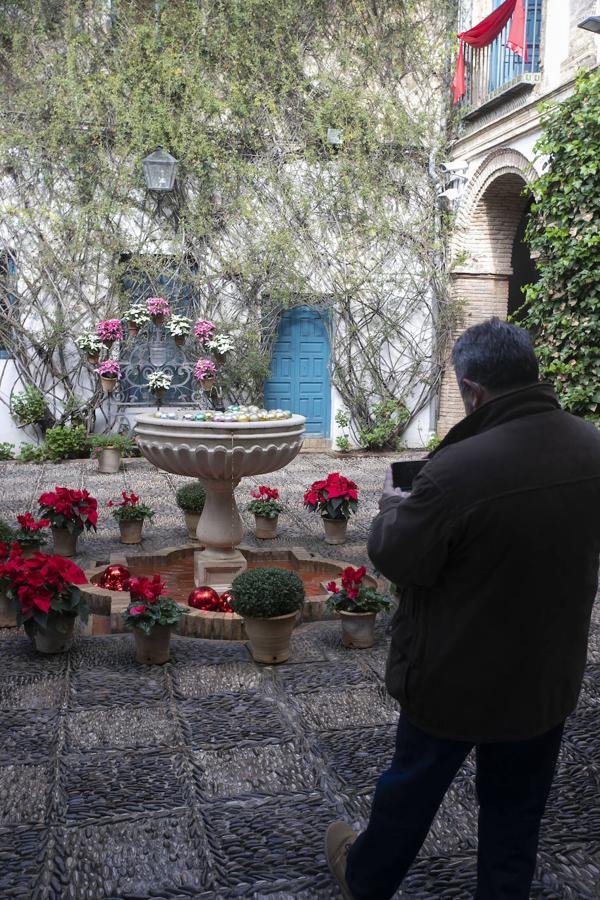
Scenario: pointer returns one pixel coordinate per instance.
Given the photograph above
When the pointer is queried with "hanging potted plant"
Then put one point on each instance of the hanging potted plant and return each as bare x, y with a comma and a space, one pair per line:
151, 615
8, 607
45, 591
336, 499
136, 317
179, 328
109, 448
159, 383
90, 344
269, 601
204, 330
109, 372
357, 605
220, 345
30, 535
131, 515
69, 512
190, 499
266, 507
206, 372
109, 331
158, 309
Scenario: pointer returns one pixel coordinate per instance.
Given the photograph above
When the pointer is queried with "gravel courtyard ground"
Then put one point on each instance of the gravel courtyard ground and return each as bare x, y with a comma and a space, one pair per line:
212, 777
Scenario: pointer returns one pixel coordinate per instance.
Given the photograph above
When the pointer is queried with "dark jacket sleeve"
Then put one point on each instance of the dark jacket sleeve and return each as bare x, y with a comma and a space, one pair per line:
410, 538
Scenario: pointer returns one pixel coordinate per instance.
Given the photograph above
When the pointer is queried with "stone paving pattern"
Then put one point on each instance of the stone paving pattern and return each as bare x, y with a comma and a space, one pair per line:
212, 777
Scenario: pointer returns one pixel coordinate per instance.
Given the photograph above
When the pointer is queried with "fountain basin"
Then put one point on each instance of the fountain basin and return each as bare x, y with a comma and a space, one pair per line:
219, 454
175, 564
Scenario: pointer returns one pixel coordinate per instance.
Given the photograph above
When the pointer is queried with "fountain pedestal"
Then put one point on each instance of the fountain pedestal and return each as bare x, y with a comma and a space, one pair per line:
219, 530
219, 454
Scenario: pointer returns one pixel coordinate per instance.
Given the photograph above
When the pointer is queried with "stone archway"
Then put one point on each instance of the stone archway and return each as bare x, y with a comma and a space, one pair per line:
490, 215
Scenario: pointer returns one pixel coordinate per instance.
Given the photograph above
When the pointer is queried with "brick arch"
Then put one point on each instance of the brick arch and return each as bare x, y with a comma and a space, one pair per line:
490, 212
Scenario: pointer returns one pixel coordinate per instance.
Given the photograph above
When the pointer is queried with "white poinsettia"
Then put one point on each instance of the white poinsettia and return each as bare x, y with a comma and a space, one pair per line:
221, 343
159, 379
179, 326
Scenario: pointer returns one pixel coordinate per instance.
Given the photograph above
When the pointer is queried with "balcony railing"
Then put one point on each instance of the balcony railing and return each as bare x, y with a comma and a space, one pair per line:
491, 71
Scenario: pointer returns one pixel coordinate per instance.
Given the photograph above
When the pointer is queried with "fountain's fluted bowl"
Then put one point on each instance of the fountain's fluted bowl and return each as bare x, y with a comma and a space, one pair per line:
219, 451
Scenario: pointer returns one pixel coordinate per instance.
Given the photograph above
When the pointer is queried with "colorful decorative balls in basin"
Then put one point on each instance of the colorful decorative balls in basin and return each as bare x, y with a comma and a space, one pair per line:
113, 578
208, 600
231, 414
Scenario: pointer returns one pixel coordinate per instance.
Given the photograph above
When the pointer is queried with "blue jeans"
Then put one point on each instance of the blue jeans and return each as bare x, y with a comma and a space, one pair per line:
513, 781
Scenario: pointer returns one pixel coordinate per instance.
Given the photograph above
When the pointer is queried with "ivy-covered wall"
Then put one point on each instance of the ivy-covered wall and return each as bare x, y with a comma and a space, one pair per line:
563, 307
267, 213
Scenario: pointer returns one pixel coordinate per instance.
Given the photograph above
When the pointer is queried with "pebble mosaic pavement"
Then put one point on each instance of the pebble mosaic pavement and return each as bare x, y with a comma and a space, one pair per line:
214, 778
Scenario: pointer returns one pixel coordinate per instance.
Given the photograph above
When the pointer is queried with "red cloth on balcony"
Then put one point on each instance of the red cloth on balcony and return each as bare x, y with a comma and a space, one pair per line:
485, 32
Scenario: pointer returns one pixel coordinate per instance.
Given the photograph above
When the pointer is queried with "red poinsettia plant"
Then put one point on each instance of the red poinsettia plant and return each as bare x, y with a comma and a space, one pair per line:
30, 533
354, 595
65, 508
149, 605
334, 498
130, 509
265, 502
44, 589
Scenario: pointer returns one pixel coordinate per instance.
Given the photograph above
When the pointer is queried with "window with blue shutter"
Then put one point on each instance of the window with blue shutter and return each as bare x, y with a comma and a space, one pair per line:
506, 65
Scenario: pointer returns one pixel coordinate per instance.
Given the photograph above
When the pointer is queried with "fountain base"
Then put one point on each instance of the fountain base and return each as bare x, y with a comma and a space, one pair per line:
176, 565
217, 568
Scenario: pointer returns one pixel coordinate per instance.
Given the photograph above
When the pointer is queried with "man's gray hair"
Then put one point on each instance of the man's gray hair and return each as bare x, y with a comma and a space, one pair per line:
496, 355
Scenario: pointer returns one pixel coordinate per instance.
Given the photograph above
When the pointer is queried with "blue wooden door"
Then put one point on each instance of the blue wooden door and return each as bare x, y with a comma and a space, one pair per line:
300, 369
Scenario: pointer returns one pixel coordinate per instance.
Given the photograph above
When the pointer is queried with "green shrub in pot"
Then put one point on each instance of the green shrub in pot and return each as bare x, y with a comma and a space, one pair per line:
268, 600
190, 499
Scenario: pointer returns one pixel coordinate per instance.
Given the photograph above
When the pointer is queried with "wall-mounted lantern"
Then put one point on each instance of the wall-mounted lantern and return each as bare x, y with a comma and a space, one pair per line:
592, 23
159, 170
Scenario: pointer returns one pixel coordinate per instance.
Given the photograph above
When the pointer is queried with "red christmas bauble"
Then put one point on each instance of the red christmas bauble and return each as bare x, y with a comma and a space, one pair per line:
114, 577
226, 599
205, 598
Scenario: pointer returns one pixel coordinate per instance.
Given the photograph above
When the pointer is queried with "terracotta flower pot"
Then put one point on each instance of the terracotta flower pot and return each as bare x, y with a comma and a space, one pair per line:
335, 530
133, 329
265, 528
180, 340
191, 523
51, 640
159, 319
8, 613
358, 629
108, 384
93, 358
109, 460
270, 638
131, 531
65, 541
153, 649
159, 392
108, 342
219, 357
208, 383
30, 551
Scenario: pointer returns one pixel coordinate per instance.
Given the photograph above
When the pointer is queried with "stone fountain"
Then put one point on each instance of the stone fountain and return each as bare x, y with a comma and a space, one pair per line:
219, 454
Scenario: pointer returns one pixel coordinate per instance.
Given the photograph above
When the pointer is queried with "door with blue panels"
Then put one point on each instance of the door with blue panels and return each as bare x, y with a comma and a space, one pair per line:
300, 378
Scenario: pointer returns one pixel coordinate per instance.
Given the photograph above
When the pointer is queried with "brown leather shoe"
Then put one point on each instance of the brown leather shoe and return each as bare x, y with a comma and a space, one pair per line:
338, 840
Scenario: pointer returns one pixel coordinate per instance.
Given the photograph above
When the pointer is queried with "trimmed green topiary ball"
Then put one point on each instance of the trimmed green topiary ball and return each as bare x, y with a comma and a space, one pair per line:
264, 593
190, 497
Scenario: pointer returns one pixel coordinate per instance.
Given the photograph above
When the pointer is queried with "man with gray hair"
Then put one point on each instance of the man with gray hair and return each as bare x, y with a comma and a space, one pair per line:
495, 556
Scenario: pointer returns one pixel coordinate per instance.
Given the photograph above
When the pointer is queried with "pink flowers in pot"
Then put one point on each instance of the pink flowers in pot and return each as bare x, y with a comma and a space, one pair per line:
205, 369
204, 330
110, 330
158, 308
110, 369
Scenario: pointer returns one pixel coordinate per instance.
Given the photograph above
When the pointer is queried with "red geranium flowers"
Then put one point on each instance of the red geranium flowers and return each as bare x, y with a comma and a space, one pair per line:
65, 508
334, 498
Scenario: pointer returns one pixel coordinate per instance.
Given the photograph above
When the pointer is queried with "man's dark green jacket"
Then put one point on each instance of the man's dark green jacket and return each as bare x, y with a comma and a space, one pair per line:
496, 555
